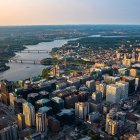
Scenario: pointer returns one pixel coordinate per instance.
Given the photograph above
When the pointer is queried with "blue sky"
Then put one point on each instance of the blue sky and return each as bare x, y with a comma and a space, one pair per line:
34, 12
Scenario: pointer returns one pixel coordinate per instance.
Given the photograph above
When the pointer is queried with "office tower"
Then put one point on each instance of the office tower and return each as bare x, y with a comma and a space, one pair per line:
18, 105
41, 122
102, 88
124, 89
9, 133
113, 93
57, 104
97, 97
29, 113
131, 81
82, 110
12, 97
116, 122
21, 121
111, 126
91, 85
6, 88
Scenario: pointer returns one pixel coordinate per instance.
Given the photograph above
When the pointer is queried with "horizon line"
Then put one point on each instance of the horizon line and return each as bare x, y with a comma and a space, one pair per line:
23, 25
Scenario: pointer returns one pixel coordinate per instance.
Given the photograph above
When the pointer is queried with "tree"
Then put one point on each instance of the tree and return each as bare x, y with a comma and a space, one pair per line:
46, 73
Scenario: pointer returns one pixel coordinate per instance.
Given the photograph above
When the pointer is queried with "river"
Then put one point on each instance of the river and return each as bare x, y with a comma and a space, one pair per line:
20, 71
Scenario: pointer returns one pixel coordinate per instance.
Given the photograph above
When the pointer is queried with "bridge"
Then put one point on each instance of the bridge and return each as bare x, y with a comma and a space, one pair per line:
31, 51
27, 61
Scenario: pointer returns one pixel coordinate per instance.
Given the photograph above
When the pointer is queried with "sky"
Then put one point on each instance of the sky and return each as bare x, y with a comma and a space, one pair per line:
54, 12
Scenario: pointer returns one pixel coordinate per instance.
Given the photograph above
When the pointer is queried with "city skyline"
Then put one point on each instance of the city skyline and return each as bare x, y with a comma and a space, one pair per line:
60, 12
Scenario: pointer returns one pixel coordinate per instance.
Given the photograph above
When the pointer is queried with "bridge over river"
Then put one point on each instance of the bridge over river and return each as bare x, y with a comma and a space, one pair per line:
18, 60
31, 51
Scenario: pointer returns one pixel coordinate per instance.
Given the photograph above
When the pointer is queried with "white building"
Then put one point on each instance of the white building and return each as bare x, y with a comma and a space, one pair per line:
113, 93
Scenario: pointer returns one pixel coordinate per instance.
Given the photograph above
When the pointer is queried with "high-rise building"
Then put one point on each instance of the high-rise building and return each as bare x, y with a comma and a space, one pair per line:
21, 121
6, 88
82, 110
113, 93
97, 96
91, 85
111, 126
124, 89
41, 122
18, 105
9, 133
29, 113
12, 97
131, 81
102, 88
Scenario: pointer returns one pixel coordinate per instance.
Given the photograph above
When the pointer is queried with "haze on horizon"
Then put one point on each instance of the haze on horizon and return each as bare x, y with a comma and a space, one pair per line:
54, 12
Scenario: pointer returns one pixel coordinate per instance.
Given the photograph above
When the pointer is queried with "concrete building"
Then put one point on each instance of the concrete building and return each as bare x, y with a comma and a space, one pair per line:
82, 110
29, 113
97, 97
124, 89
113, 93
102, 88
91, 85
9, 133
41, 122
21, 121
12, 97
93, 116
